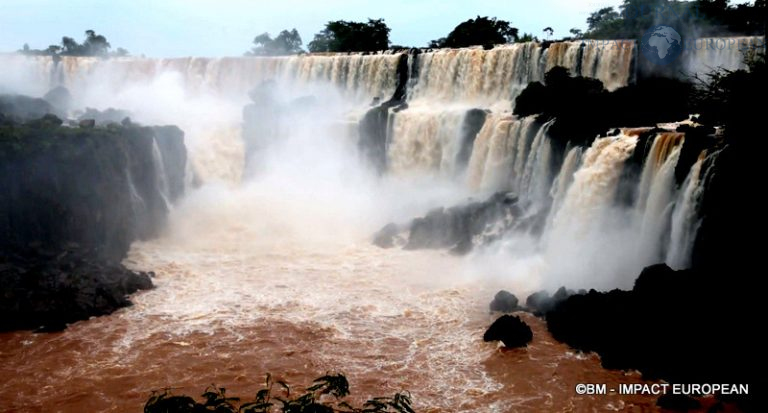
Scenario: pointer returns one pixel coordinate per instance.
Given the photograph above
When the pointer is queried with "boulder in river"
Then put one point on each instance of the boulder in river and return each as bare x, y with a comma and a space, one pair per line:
504, 302
510, 330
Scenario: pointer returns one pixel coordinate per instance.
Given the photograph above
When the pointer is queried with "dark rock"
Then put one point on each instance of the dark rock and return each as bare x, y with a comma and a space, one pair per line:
688, 326
43, 291
504, 302
385, 237
104, 117
47, 121
72, 201
373, 137
459, 227
561, 294
173, 152
471, 124
87, 123
539, 302
570, 99
697, 139
373, 126
510, 330
23, 108
678, 402
60, 98
97, 187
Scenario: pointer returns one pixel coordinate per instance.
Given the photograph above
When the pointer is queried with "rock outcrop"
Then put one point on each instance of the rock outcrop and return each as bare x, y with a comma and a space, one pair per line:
683, 326
73, 200
458, 228
510, 330
504, 302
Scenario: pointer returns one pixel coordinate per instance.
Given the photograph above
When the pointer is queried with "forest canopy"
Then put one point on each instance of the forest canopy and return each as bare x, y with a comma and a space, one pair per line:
93, 45
349, 36
480, 31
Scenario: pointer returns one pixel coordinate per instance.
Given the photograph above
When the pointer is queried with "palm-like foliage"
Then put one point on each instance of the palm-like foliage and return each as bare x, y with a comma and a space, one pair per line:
325, 395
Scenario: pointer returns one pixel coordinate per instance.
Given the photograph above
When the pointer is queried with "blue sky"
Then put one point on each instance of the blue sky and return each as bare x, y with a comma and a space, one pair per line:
172, 28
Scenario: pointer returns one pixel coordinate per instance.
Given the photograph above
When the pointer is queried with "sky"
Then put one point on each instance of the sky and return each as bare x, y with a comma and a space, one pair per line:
215, 28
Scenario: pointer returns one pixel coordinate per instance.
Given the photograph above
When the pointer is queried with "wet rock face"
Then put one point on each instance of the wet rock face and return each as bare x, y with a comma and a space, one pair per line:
385, 237
510, 330
687, 326
504, 302
98, 187
458, 228
73, 199
45, 290
22, 108
104, 117
60, 98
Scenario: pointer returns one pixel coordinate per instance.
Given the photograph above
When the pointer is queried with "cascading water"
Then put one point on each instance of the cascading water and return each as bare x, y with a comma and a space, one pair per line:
685, 218
425, 142
656, 195
579, 241
272, 270
703, 55
162, 178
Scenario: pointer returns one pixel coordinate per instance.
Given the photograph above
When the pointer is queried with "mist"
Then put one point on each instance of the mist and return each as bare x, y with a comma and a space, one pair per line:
301, 180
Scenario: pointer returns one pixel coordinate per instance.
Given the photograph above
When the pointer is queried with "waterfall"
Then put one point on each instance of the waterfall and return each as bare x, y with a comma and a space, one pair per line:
564, 178
701, 56
162, 179
499, 153
656, 207
593, 188
425, 141
359, 76
487, 76
535, 182
685, 218
446, 114
586, 240
660, 151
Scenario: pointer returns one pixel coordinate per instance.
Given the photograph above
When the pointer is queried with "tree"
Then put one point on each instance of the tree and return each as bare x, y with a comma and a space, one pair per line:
527, 37
95, 44
598, 19
286, 43
481, 31
576, 33
53, 49
347, 36
698, 18
549, 32
70, 47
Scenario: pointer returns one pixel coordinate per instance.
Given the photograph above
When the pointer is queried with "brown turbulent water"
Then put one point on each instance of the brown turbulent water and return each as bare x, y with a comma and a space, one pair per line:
389, 319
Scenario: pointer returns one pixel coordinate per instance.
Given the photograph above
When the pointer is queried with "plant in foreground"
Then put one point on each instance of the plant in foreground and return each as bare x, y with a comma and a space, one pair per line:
325, 395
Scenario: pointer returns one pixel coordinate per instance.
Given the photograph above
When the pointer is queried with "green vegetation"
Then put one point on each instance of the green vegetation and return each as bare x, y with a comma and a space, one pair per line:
347, 36
700, 17
286, 43
93, 45
325, 395
527, 37
727, 97
481, 31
